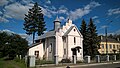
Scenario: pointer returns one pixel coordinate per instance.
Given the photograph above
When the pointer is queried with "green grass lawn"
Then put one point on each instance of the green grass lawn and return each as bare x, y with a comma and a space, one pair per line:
11, 64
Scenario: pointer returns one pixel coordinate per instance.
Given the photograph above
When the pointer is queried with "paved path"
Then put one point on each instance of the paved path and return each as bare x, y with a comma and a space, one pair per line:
116, 65
95, 65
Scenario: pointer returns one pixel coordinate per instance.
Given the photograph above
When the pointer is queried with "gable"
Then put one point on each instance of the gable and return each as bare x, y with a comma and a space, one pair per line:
73, 30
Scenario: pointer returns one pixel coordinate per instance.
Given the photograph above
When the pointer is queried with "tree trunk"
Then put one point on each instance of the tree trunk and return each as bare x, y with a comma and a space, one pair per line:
33, 37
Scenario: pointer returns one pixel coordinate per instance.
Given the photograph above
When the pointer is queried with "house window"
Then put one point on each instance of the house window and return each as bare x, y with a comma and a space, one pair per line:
51, 47
113, 46
110, 46
36, 54
74, 40
117, 46
64, 51
102, 51
74, 30
102, 46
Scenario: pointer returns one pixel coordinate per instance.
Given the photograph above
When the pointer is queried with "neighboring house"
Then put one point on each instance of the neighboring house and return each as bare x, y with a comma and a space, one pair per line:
112, 45
59, 42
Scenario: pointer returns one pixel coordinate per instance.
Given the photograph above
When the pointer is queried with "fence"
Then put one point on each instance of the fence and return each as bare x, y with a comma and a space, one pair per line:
106, 58
72, 60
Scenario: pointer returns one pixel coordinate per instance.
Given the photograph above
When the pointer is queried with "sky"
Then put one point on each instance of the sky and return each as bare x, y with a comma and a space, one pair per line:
105, 13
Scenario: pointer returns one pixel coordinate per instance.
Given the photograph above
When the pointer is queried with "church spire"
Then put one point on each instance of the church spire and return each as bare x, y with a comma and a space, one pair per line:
57, 19
56, 23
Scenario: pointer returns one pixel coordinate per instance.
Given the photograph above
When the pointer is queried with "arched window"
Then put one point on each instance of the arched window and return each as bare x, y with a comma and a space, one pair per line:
50, 47
65, 39
64, 51
74, 40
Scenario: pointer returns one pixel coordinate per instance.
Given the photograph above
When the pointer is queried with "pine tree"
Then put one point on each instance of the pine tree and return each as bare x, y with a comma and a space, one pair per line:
34, 21
83, 30
93, 40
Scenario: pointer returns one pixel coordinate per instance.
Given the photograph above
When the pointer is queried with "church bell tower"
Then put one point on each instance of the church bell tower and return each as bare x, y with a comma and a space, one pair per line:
56, 23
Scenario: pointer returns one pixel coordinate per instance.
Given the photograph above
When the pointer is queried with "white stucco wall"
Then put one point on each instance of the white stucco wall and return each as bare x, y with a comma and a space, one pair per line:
71, 44
50, 51
36, 48
60, 48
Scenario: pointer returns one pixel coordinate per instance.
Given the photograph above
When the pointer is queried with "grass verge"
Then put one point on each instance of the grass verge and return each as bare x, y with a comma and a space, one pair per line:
11, 64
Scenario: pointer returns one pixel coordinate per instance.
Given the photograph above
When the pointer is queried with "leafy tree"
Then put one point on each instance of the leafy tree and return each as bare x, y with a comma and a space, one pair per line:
34, 21
93, 39
3, 40
12, 45
83, 30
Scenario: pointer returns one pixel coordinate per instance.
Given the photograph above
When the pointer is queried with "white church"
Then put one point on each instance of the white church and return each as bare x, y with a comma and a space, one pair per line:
59, 42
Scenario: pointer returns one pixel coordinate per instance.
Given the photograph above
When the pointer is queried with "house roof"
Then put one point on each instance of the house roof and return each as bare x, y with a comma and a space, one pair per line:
35, 44
52, 33
68, 31
48, 34
109, 40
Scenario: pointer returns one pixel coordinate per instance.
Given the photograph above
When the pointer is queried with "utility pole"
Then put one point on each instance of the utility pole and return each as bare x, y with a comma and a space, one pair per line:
106, 40
106, 37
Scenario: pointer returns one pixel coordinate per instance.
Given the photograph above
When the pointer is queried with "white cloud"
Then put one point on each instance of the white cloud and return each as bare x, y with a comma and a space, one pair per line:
25, 36
3, 2
94, 17
48, 2
91, 5
2, 19
13, 9
117, 16
97, 21
114, 11
63, 10
104, 26
7, 31
62, 18
49, 11
117, 32
0, 12
16, 10
78, 13
26, 1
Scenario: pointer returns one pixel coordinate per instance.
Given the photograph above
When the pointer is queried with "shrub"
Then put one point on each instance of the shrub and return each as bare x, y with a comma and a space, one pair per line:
65, 61
44, 62
79, 61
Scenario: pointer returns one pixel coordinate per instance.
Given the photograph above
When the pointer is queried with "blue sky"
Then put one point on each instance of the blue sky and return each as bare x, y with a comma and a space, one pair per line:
102, 11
